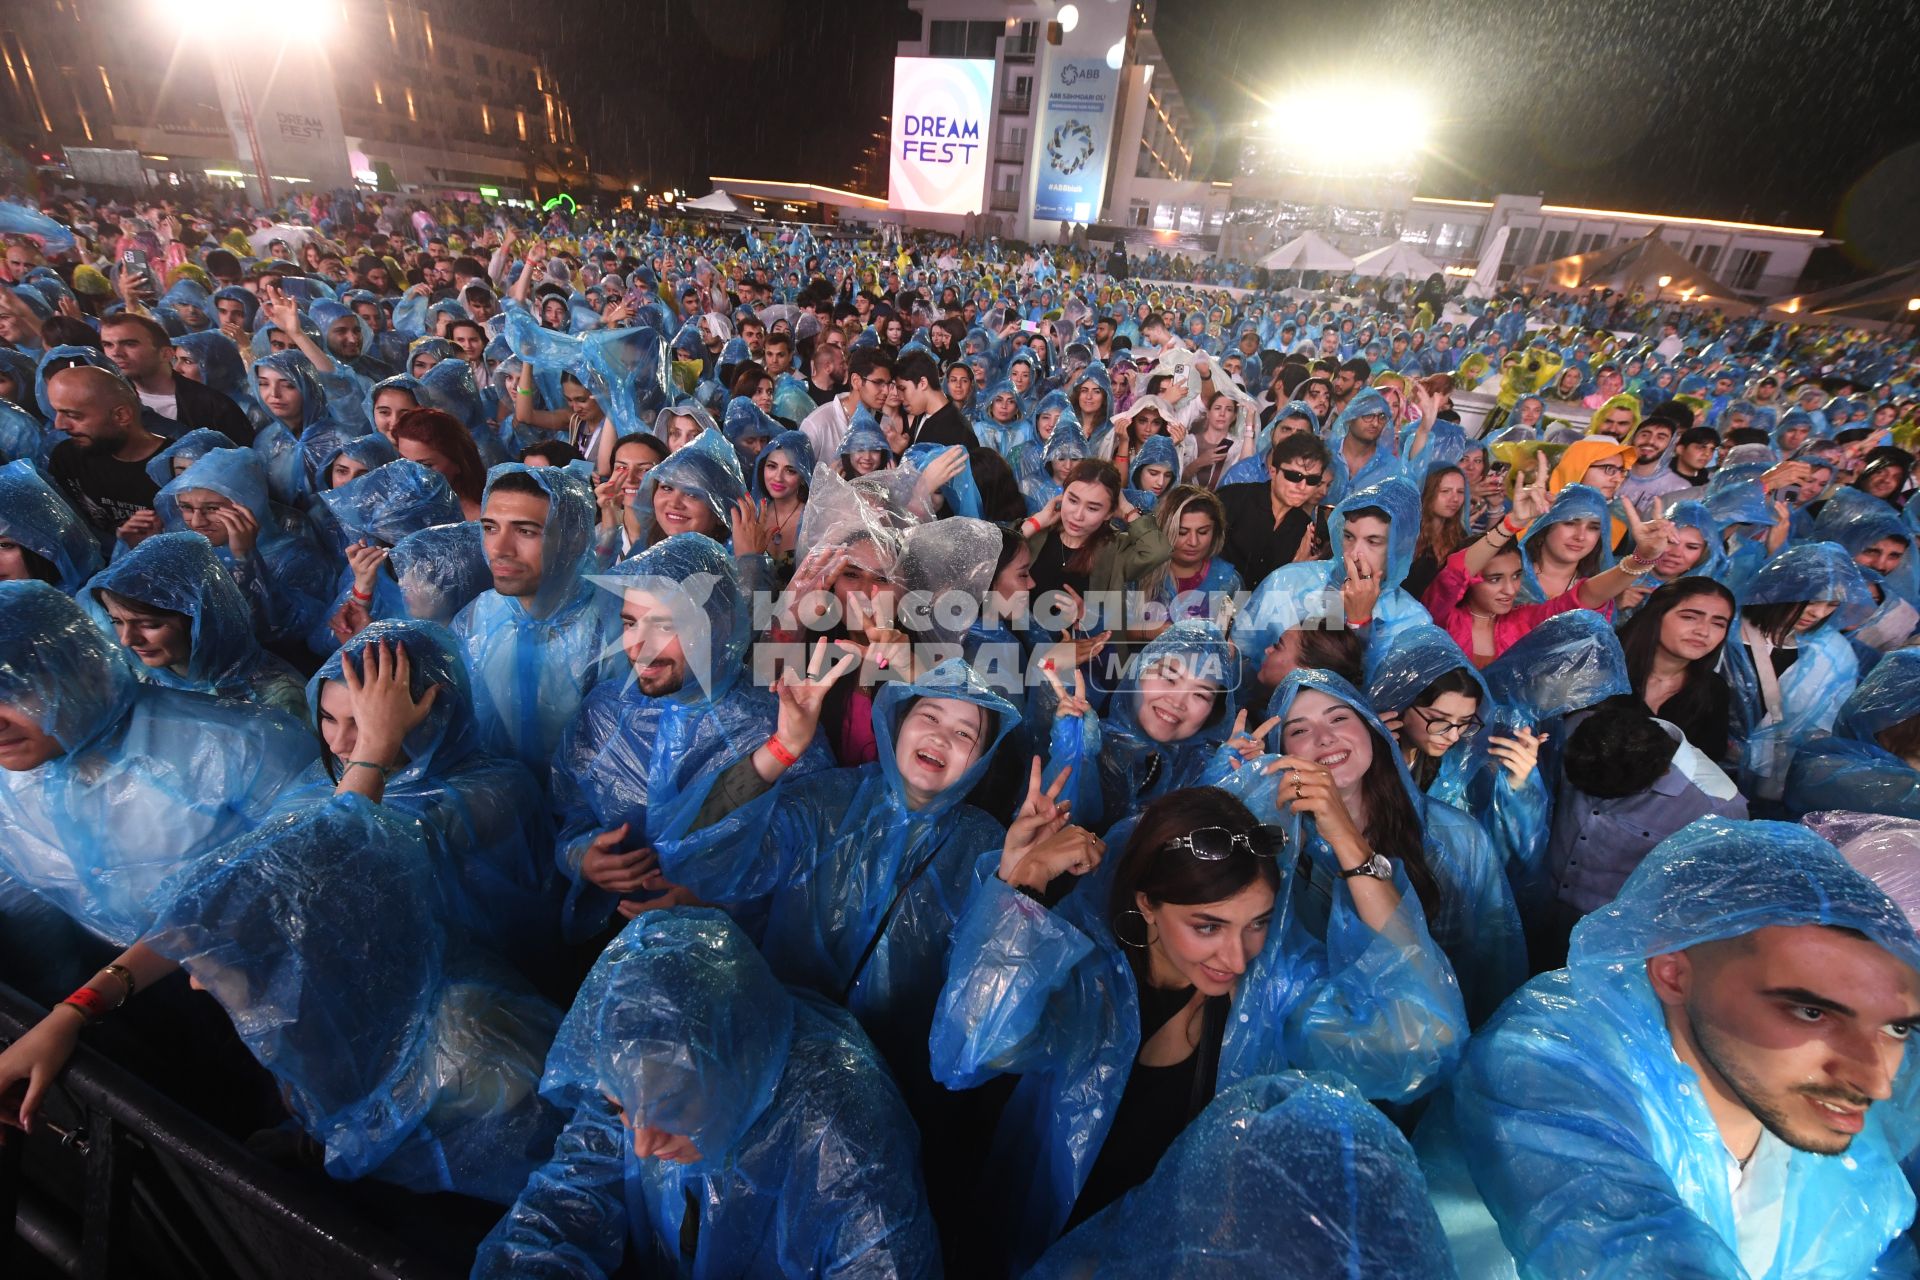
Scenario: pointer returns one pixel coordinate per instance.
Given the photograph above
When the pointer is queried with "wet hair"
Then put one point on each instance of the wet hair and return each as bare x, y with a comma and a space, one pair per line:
1618, 750
1165, 875
1776, 621
445, 435
1340, 651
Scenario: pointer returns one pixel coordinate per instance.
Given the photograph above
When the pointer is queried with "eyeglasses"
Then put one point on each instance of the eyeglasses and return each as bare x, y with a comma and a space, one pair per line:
1301, 477
1440, 726
1607, 468
1214, 844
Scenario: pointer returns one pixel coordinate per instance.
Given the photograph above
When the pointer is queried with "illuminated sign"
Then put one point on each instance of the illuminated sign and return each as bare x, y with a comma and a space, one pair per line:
942, 108
1075, 134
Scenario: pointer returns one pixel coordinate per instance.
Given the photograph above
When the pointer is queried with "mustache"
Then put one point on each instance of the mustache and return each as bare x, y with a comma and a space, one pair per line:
1834, 1093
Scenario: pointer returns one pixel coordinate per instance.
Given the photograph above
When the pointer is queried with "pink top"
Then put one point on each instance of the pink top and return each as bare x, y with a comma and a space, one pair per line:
1446, 601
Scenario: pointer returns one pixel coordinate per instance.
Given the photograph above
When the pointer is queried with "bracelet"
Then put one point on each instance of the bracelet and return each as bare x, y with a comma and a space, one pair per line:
780, 753
524, 391
125, 975
357, 594
1644, 566
1357, 623
91, 1004
1030, 526
380, 769
1508, 526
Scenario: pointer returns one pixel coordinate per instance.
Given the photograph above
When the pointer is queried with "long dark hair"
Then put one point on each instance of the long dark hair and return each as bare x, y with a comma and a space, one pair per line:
1441, 536
1425, 767
1149, 867
1107, 476
1640, 641
1589, 563
1393, 824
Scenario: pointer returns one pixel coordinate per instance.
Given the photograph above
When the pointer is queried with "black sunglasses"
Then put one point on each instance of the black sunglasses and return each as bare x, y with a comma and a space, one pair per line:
1301, 477
1215, 844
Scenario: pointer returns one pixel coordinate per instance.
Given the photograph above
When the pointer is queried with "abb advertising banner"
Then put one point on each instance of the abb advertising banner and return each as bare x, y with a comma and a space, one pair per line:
1075, 131
941, 111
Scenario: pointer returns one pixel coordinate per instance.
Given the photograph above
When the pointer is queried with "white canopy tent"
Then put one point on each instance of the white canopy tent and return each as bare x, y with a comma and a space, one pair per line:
1395, 259
715, 201
1307, 252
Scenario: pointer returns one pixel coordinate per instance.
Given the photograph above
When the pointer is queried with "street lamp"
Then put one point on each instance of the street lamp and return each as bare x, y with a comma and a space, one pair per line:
1663, 282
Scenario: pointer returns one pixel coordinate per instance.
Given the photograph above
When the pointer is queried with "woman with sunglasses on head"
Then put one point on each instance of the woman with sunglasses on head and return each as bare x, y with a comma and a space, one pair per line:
1162, 976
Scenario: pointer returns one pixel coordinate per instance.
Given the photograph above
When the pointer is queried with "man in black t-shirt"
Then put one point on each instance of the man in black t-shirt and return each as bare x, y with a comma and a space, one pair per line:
1271, 524
936, 421
101, 466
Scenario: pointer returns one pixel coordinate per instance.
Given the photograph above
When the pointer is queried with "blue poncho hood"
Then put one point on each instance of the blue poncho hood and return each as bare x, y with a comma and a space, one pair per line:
178, 572
391, 501
39, 519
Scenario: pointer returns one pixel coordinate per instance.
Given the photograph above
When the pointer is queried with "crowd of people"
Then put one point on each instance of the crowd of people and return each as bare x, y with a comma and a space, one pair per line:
772, 751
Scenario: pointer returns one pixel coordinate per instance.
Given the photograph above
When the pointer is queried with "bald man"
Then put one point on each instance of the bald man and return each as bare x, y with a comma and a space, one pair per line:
101, 465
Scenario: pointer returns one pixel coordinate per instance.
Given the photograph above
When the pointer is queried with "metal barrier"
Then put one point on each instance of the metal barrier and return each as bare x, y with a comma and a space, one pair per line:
118, 1180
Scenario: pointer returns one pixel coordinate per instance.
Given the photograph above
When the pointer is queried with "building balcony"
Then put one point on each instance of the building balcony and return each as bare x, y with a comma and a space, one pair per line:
1010, 153
1015, 104
1020, 50
1003, 201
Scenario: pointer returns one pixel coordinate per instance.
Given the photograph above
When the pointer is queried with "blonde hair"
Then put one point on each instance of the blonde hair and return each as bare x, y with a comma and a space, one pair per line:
1174, 503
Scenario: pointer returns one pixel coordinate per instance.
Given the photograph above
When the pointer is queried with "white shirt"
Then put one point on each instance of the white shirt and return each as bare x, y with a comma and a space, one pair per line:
167, 406
826, 427
1759, 1201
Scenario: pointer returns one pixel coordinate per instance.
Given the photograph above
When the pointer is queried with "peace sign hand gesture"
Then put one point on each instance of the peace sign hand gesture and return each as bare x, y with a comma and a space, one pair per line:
1249, 746
1040, 844
1650, 537
1069, 706
801, 698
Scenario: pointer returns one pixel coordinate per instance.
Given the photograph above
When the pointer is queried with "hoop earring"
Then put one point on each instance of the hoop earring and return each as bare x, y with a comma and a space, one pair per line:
1125, 941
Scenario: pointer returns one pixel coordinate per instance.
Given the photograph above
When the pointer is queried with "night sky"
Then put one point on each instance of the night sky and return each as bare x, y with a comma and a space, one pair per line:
1800, 111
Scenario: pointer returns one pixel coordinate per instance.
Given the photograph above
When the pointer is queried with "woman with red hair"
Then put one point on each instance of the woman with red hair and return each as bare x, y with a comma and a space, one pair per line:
436, 439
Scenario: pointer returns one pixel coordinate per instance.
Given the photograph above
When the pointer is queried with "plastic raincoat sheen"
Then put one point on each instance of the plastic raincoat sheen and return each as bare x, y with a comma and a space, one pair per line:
1286, 1176
151, 778
534, 658
1589, 1138
411, 1056
37, 517
809, 1163
178, 572
864, 890
1850, 769
650, 761
1049, 995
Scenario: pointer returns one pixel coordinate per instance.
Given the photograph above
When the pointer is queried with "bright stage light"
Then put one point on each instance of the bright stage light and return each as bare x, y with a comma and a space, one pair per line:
1345, 127
239, 19
1068, 18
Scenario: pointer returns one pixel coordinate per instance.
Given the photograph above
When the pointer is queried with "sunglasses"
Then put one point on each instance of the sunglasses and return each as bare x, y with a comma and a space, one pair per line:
1215, 844
1440, 725
1301, 477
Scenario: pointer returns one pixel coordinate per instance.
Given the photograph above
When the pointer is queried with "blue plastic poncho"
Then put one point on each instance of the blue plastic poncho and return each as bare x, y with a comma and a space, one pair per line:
221, 365
1050, 996
391, 501
412, 1057
163, 466
287, 579
440, 571
846, 861
1307, 593
1569, 662
1384, 462
1851, 769
1821, 677
484, 814
534, 658
1474, 919
449, 387
1288, 1176
36, 517
707, 467
178, 572
961, 495
796, 448
1575, 502
1590, 1139
1134, 768
1516, 819
150, 780
650, 761
809, 1163
749, 428
66, 357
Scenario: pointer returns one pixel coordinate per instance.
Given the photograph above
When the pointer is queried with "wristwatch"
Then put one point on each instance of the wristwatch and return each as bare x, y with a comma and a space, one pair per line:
1377, 866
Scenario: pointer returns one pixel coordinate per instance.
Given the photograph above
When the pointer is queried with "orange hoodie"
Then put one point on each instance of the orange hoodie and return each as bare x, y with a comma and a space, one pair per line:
1582, 454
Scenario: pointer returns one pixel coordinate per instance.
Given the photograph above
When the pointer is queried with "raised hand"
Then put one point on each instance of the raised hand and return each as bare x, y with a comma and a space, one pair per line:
801, 697
1361, 591
749, 529
384, 708
365, 561
1069, 706
1250, 746
242, 529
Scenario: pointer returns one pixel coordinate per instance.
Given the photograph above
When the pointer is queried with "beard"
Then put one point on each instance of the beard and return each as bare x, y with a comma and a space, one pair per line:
1770, 1109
